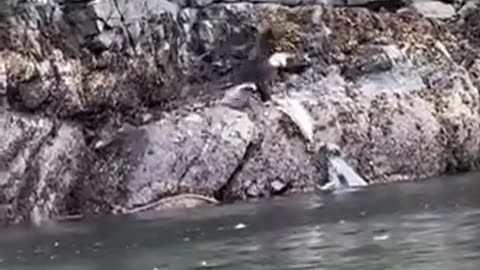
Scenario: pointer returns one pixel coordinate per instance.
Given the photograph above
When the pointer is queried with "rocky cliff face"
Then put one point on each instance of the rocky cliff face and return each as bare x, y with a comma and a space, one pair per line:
110, 105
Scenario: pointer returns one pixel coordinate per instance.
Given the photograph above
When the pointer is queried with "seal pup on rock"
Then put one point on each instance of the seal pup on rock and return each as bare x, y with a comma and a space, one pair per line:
341, 176
298, 114
259, 72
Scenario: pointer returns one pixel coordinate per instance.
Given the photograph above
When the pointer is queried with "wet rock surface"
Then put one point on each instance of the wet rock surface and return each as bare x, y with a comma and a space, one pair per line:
111, 106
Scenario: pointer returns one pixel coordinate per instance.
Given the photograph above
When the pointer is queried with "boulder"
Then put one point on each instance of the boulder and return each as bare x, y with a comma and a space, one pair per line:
196, 153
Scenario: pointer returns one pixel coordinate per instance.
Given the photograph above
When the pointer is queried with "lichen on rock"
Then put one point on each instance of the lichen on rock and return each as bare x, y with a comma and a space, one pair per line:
287, 32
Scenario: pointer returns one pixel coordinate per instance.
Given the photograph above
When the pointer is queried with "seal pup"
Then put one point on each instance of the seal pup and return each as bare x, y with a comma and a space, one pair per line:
298, 114
260, 71
341, 176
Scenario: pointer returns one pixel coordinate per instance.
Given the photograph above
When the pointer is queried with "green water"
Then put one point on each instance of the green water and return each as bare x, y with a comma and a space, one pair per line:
428, 225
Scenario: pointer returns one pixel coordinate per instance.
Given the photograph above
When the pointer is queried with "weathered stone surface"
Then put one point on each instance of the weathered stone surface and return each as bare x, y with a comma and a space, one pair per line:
434, 9
197, 154
92, 56
40, 162
398, 93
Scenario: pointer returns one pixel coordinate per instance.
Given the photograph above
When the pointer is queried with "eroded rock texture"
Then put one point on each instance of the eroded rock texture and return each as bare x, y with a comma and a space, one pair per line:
114, 104
40, 162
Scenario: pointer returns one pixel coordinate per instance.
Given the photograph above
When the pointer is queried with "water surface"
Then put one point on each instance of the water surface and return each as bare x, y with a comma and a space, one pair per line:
425, 225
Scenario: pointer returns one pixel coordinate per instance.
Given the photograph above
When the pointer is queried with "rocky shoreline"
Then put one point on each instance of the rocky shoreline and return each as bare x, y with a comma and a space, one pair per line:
112, 105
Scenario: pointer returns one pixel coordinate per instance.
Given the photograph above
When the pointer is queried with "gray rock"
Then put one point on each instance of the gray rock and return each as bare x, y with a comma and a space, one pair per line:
58, 166
109, 31
467, 8
467, 27
3, 78
195, 153
39, 165
20, 137
202, 3
399, 103
121, 13
434, 9
278, 186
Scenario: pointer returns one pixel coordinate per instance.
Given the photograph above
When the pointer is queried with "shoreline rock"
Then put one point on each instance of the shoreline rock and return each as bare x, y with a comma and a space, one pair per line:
108, 108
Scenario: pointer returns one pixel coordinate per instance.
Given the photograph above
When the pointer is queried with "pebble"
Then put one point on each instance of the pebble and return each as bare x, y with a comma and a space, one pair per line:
277, 186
